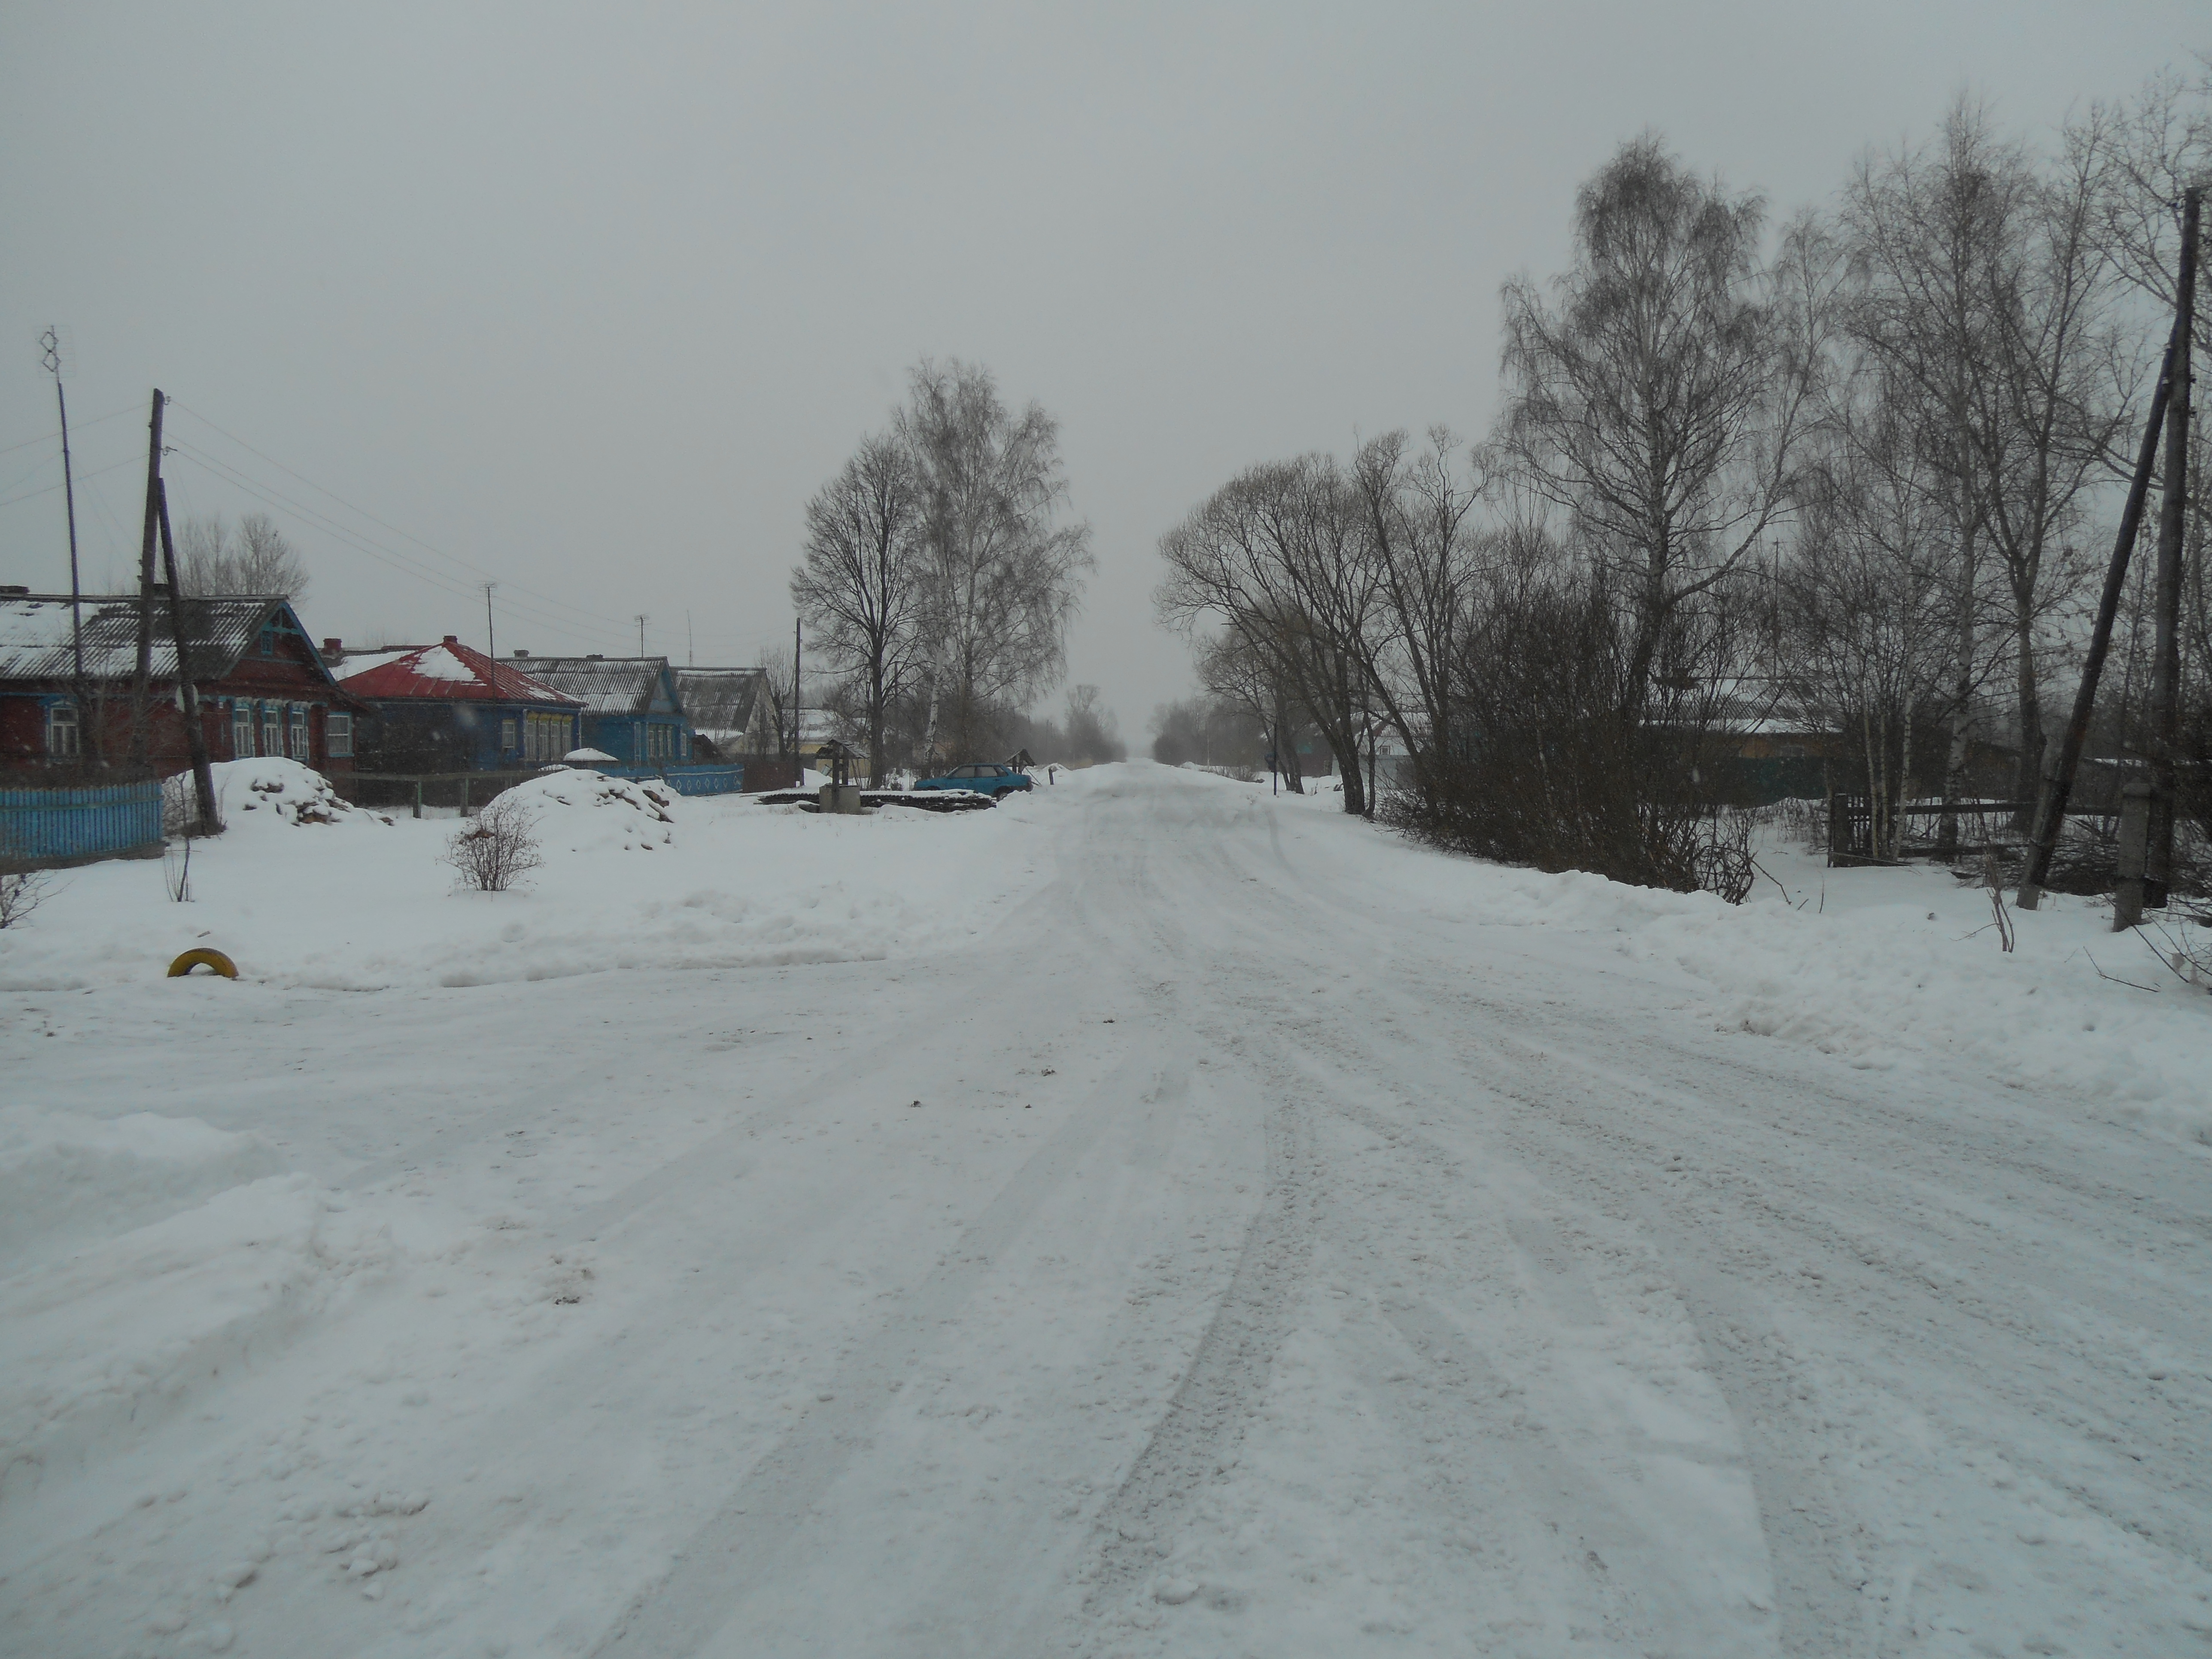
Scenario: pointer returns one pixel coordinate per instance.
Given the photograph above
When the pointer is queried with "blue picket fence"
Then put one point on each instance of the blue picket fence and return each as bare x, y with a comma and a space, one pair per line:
71, 826
684, 779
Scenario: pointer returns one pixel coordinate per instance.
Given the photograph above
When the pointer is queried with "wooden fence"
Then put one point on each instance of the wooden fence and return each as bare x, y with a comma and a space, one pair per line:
46, 829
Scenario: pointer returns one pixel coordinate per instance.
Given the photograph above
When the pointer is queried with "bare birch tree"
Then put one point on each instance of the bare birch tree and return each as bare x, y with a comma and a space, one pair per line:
1002, 577
1660, 397
860, 586
253, 556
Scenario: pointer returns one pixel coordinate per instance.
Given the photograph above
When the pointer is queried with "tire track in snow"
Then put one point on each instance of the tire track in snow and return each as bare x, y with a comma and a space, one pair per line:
1197, 1435
737, 1548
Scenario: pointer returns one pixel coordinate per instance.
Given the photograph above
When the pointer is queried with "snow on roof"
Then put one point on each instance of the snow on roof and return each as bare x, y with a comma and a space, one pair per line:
35, 634
719, 701
444, 672
605, 685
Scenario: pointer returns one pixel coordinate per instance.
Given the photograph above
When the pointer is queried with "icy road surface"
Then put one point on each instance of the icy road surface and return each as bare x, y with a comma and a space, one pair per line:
1251, 1245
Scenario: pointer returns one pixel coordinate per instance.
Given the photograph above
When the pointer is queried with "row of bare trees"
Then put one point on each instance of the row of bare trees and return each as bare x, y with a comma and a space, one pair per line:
1853, 475
939, 572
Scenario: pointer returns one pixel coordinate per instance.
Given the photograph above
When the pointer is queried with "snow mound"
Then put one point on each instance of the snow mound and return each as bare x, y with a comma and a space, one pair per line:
269, 791
67, 1181
582, 811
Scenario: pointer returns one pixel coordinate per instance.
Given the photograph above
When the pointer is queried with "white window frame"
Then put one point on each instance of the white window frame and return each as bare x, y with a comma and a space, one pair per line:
242, 729
300, 739
272, 730
337, 734
507, 733
63, 731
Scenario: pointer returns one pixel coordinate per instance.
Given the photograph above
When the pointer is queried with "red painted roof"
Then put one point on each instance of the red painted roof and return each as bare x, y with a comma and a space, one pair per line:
446, 672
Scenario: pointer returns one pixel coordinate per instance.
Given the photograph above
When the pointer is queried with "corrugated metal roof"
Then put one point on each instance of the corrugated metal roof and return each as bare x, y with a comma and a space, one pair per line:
446, 672
605, 685
35, 643
719, 701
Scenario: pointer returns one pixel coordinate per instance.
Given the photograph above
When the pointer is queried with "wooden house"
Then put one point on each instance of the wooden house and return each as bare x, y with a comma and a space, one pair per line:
632, 709
729, 711
449, 707
263, 689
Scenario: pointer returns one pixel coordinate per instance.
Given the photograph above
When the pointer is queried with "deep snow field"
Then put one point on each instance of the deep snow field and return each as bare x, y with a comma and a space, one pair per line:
1152, 1218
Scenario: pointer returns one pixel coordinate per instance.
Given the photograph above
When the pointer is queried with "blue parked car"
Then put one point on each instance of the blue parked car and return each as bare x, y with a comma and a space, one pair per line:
991, 778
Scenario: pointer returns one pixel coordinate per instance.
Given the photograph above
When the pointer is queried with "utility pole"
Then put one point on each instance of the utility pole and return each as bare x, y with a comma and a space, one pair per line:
491, 646
2058, 788
690, 653
51, 341
143, 681
640, 633
188, 697
797, 728
2165, 633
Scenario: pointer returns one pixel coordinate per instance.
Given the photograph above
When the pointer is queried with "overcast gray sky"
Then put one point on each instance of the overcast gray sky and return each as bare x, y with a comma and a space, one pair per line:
589, 300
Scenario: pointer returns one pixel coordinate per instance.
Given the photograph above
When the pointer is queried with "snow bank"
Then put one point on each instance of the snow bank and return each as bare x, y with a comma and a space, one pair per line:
587, 812
717, 881
67, 1181
255, 794
1890, 968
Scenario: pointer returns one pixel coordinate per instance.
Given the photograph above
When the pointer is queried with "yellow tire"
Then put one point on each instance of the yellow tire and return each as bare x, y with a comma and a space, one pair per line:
192, 959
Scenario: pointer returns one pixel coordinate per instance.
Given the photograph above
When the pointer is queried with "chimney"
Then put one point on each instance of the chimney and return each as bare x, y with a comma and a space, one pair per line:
334, 650
12, 591
521, 654
451, 640
592, 656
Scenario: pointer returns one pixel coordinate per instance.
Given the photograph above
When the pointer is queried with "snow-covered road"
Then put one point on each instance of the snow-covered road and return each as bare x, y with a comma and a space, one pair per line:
1253, 1244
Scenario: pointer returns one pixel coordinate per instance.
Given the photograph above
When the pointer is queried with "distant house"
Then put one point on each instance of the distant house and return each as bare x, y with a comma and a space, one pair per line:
263, 688
448, 708
728, 709
632, 708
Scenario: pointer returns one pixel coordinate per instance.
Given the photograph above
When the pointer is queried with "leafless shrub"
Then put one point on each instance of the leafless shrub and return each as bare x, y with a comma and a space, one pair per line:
22, 889
496, 847
1565, 766
1723, 859
177, 872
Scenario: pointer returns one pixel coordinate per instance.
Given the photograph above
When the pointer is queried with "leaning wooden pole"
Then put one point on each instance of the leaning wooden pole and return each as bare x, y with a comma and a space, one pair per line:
188, 696
2058, 788
141, 682
2166, 651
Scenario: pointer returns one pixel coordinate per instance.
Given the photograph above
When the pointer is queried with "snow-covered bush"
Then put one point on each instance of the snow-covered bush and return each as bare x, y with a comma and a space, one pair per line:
496, 847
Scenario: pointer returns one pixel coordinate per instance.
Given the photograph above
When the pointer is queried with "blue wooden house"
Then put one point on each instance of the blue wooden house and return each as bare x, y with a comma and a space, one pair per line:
633, 708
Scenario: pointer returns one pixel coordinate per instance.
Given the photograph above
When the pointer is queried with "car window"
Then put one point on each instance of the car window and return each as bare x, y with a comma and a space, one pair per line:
963, 771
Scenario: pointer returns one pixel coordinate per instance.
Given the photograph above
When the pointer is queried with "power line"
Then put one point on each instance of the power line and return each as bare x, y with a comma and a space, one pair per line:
48, 490
54, 438
405, 564
558, 603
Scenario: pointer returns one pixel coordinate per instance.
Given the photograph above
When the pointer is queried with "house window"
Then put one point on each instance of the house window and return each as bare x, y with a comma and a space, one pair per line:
61, 730
657, 743
337, 735
300, 751
272, 728
241, 731
506, 736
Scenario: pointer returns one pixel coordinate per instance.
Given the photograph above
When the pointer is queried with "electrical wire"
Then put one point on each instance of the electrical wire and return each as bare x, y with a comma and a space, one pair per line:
584, 615
402, 563
48, 490
76, 427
